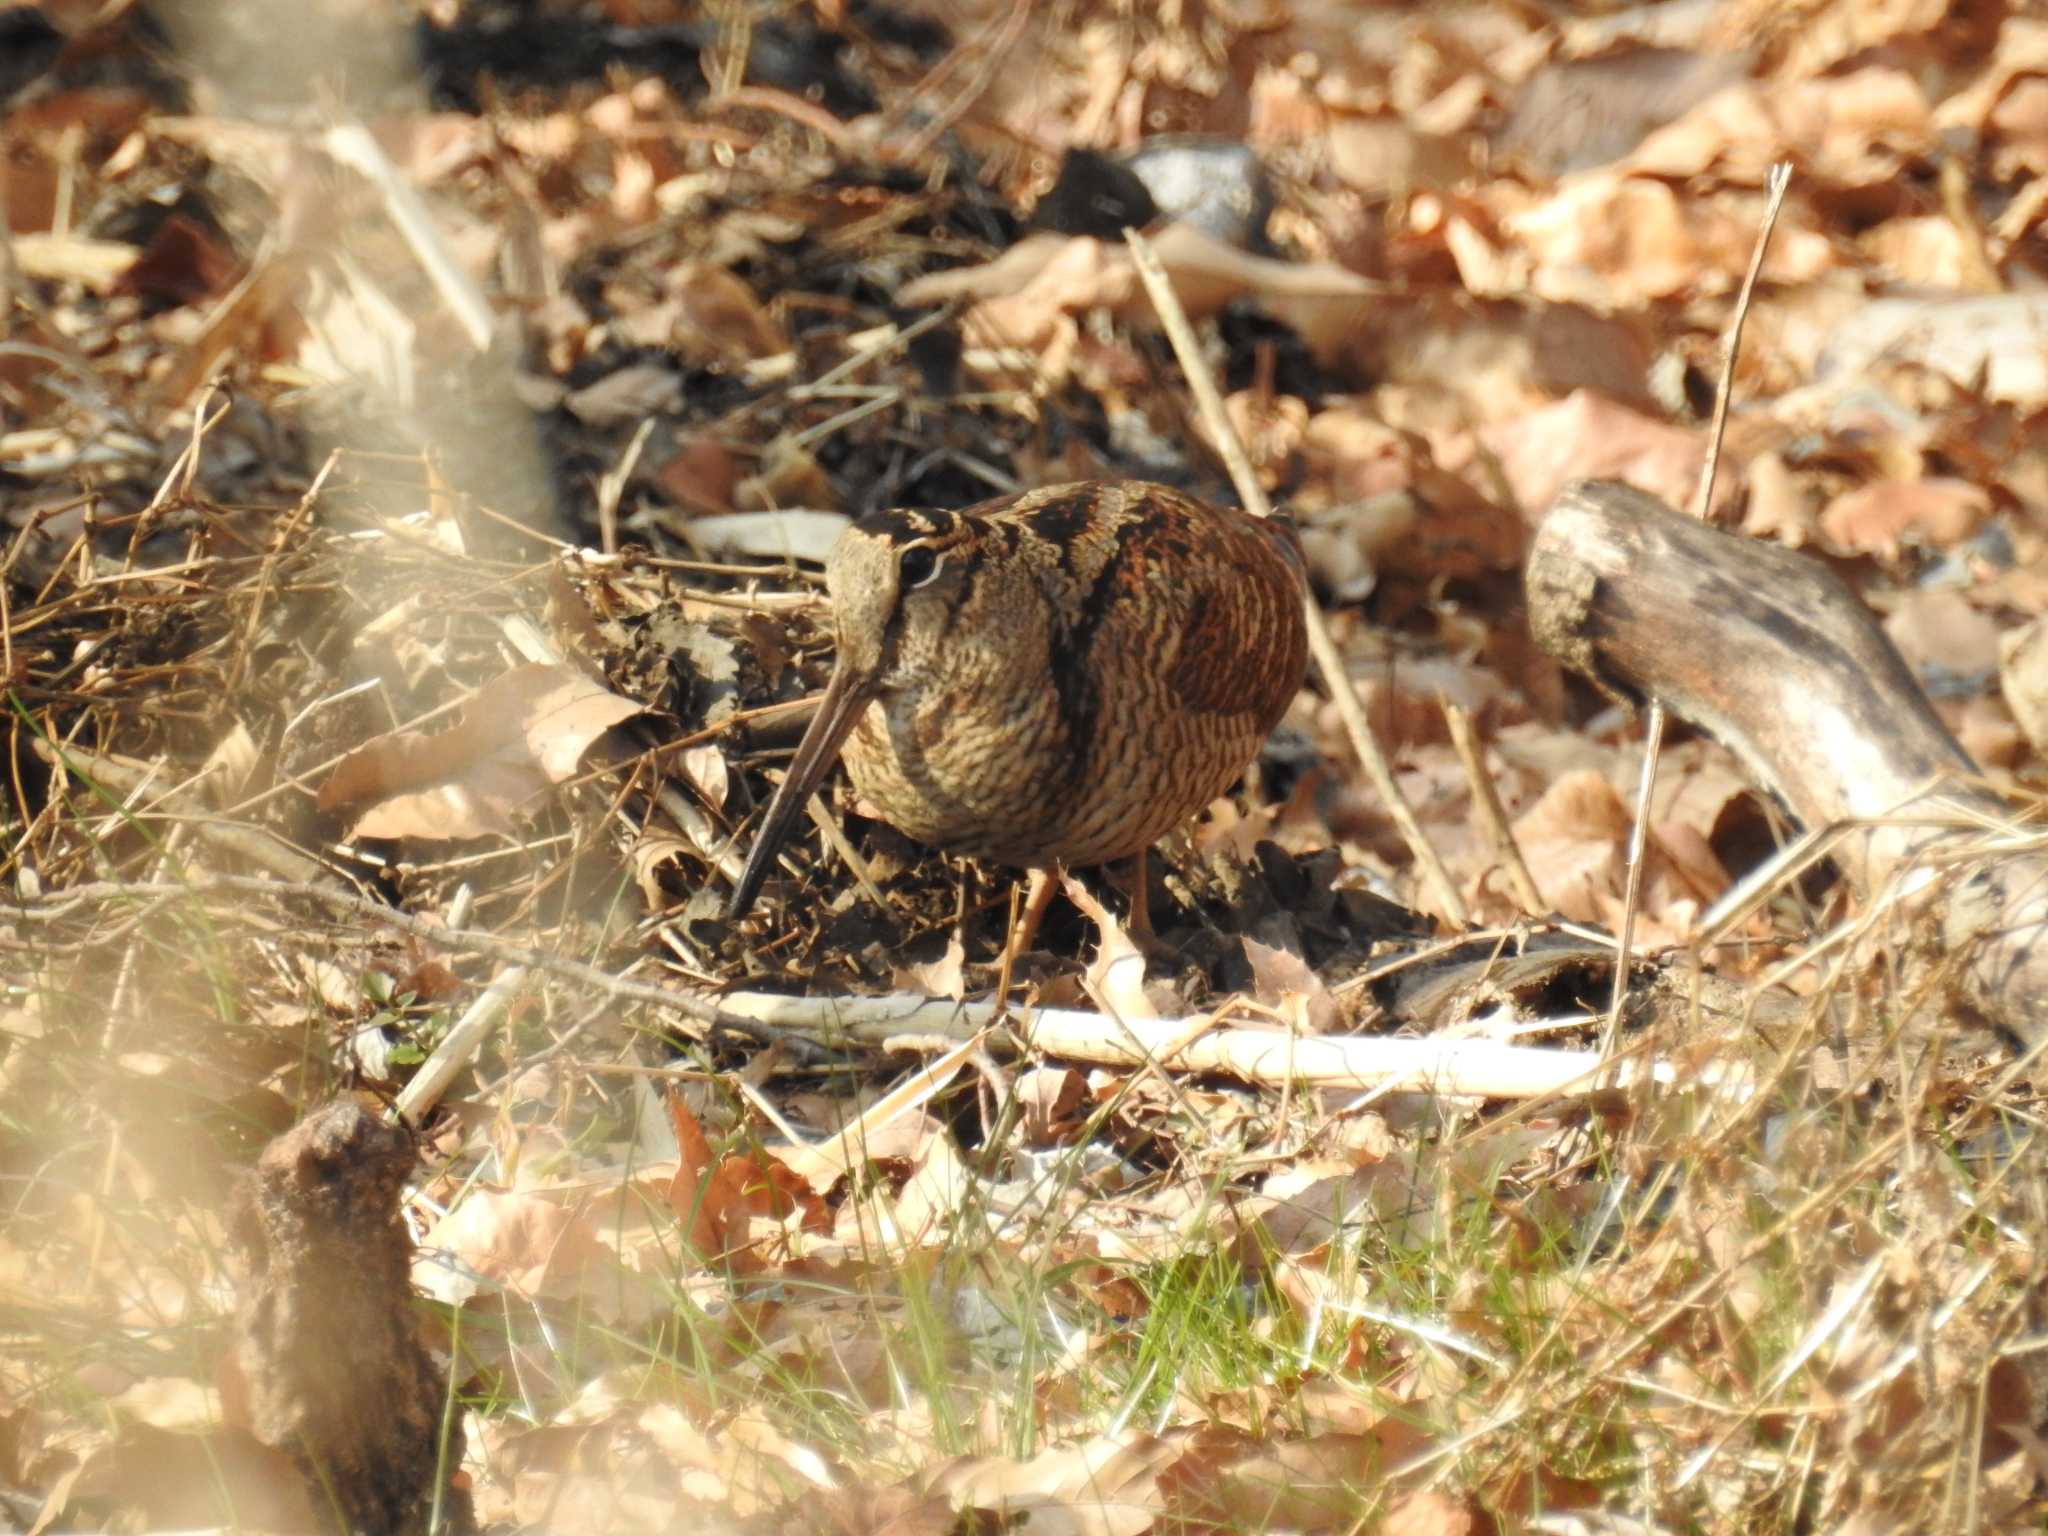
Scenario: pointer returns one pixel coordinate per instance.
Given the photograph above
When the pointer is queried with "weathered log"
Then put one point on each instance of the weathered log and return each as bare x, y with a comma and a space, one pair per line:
1773, 655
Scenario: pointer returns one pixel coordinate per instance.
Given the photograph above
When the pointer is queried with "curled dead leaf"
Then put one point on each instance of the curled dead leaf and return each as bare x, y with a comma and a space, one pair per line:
524, 730
1286, 982
942, 977
649, 855
1588, 434
1116, 976
1875, 519
715, 1198
1024, 295
1051, 1098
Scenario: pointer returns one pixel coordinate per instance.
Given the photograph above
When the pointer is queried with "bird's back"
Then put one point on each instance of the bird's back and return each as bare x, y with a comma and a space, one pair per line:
1120, 652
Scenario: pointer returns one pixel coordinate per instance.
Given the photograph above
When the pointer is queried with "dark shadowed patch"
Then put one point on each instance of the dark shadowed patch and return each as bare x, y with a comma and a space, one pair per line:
963, 597
1063, 522
899, 525
1074, 667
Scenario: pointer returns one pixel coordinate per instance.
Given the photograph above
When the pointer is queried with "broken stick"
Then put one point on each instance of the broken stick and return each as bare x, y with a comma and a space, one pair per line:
1774, 656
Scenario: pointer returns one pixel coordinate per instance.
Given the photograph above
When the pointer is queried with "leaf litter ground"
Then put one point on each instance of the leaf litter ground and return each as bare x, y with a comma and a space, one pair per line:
307, 744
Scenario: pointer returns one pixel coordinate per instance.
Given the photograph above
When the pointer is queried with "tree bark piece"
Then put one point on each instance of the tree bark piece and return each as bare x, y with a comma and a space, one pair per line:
1772, 654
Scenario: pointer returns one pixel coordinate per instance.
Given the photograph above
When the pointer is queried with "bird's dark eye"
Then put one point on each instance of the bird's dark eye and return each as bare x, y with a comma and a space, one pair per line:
918, 566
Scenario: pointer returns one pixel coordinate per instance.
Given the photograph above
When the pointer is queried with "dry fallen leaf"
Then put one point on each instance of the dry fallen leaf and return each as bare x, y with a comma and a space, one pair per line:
1779, 505
1573, 839
1375, 498
1116, 976
1286, 982
792, 534
1875, 519
1843, 129
1108, 1486
2003, 107
164, 1481
1312, 1483
1587, 435
1941, 633
702, 475
1608, 240
1047, 278
524, 730
715, 1197
650, 855
2023, 674
717, 318
524, 1242
1991, 344
1426, 1512
705, 767
943, 977
625, 396
938, 1188
1051, 1099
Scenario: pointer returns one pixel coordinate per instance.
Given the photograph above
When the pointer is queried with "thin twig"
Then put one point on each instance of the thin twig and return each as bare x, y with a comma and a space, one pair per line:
1493, 816
1731, 344
1356, 727
1263, 1055
184, 803
1012, 28
354, 146
837, 840
895, 340
458, 1049
469, 940
1632, 886
611, 488
1653, 727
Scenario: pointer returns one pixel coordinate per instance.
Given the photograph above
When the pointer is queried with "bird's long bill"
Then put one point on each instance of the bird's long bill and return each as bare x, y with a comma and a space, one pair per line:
845, 697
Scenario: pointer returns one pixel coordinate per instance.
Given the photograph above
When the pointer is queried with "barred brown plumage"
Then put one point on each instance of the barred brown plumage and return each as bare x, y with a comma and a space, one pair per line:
1058, 678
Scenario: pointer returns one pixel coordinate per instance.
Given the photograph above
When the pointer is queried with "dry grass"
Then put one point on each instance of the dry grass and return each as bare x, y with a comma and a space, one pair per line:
699, 1267
1800, 1289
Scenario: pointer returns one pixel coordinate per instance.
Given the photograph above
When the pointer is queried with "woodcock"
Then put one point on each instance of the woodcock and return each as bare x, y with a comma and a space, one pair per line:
1054, 679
